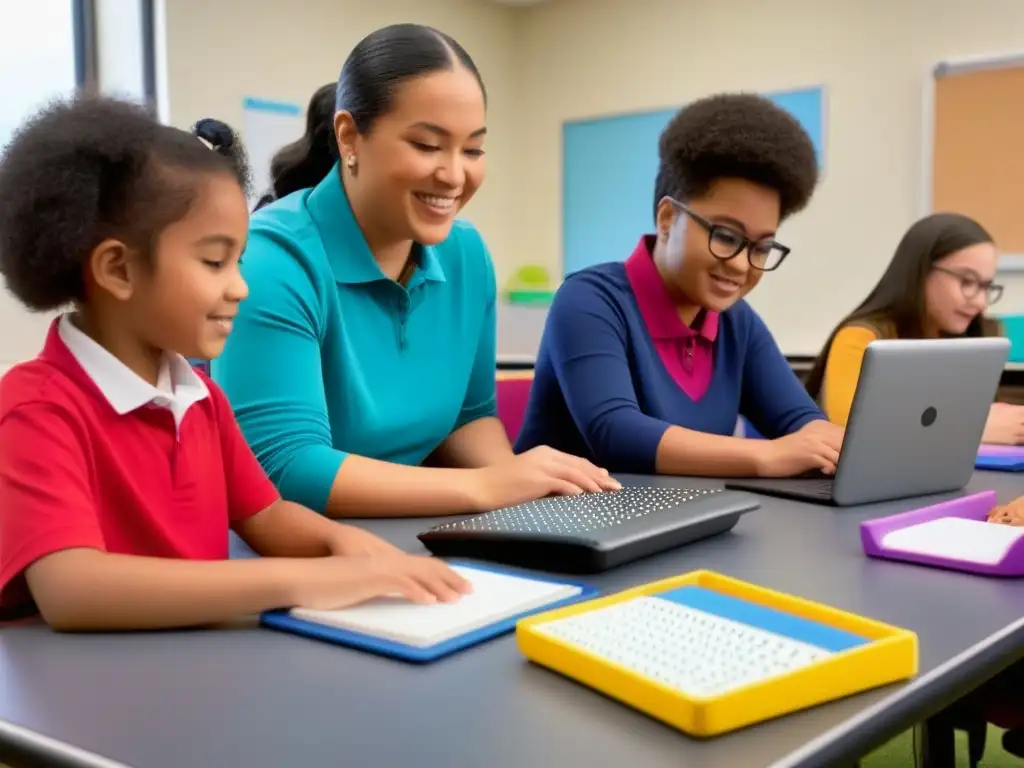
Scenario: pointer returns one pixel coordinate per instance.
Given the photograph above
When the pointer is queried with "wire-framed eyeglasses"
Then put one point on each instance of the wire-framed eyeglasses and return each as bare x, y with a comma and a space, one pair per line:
972, 285
726, 243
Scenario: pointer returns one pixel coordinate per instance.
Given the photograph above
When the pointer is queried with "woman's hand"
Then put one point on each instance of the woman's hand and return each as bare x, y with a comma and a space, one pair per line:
1005, 425
535, 474
815, 446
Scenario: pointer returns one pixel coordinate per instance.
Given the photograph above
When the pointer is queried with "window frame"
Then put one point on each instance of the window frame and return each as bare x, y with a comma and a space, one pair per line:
148, 32
86, 53
87, 59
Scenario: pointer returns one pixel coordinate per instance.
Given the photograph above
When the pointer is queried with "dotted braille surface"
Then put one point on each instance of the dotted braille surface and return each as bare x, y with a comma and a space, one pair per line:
692, 651
588, 512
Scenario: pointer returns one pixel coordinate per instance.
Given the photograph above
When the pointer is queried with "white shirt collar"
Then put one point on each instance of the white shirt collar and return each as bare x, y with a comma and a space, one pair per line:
178, 388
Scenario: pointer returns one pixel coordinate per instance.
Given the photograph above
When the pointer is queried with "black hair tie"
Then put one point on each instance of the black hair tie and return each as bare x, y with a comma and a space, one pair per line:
214, 134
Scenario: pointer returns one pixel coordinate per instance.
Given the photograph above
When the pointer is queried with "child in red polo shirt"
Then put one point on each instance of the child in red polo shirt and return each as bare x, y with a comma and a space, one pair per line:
121, 468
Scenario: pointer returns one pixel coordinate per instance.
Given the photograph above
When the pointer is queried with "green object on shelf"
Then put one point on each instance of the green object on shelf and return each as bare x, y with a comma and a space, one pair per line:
532, 274
532, 298
530, 285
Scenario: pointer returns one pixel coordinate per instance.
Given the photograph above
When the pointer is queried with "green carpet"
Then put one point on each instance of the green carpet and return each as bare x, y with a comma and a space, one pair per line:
899, 753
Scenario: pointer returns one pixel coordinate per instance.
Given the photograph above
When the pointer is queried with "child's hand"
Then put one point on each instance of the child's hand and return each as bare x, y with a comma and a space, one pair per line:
328, 583
1008, 514
815, 446
354, 542
1005, 425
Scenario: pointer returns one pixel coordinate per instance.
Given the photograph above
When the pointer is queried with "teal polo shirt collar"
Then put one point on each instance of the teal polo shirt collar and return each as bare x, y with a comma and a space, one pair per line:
350, 257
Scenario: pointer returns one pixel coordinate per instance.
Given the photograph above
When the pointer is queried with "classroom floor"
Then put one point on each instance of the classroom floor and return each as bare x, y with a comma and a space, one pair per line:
899, 753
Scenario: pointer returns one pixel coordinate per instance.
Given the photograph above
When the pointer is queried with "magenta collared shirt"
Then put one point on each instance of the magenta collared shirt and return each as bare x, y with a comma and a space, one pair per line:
686, 352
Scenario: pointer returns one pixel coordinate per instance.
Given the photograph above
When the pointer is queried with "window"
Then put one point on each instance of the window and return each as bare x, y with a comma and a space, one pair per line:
44, 53
38, 58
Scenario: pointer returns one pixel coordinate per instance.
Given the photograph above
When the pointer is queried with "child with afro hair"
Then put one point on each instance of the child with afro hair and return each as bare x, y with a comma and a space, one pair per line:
122, 469
645, 365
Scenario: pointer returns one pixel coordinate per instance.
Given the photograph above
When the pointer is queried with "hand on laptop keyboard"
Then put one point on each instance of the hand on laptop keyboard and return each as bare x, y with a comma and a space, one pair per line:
815, 447
813, 474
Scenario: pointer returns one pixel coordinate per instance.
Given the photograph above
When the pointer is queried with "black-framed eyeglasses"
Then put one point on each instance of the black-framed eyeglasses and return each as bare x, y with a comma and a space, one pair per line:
971, 285
726, 243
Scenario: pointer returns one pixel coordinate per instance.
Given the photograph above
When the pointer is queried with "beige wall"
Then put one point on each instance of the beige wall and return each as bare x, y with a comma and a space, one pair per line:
582, 58
218, 53
568, 59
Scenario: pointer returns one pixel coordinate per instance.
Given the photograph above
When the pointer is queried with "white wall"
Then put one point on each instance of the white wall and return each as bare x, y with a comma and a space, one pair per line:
582, 58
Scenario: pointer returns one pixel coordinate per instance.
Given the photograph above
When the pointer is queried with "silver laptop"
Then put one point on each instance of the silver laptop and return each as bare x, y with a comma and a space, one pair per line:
915, 426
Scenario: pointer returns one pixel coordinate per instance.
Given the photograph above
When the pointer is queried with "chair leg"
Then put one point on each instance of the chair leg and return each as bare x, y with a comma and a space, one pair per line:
938, 744
977, 732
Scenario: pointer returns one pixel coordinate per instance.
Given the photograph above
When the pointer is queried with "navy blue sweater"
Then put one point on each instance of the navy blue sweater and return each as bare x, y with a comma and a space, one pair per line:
601, 391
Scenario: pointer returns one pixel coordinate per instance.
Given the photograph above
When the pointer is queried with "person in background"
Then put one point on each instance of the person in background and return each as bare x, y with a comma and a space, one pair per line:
362, 367
645, 365
121, 467
938, 284
294, 165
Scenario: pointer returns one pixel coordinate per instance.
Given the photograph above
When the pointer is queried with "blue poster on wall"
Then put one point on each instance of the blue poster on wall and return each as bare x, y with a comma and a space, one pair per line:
608, 169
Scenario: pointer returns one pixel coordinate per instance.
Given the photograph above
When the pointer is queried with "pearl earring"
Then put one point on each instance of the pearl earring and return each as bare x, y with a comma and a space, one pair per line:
351, 161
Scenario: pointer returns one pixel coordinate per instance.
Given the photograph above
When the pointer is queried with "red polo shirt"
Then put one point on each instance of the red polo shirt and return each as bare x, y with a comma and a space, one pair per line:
93, 456
687, 353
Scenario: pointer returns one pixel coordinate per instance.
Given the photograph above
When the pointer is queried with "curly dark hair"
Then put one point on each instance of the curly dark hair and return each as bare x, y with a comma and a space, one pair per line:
88, 169
738, 135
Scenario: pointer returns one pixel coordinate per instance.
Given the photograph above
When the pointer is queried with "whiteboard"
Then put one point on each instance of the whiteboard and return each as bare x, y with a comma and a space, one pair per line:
948, 115
266, 127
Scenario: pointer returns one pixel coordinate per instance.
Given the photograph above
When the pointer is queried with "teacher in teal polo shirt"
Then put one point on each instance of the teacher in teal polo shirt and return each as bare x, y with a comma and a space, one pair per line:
361, 367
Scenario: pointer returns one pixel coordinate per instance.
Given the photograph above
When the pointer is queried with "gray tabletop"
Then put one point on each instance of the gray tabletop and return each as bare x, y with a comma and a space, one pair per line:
252, 697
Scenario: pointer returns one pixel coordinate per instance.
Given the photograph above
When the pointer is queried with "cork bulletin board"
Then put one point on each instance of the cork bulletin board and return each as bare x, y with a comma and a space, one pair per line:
977, 148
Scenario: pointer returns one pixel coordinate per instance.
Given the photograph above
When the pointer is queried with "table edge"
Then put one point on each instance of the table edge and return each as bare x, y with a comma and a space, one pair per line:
856, 736
24, 746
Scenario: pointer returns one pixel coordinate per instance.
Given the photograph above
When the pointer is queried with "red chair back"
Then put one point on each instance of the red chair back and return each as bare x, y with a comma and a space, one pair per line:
513, 391
1006, 715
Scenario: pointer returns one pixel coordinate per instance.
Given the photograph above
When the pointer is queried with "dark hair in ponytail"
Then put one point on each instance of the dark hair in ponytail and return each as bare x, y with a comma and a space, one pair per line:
378, 64
304, 163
